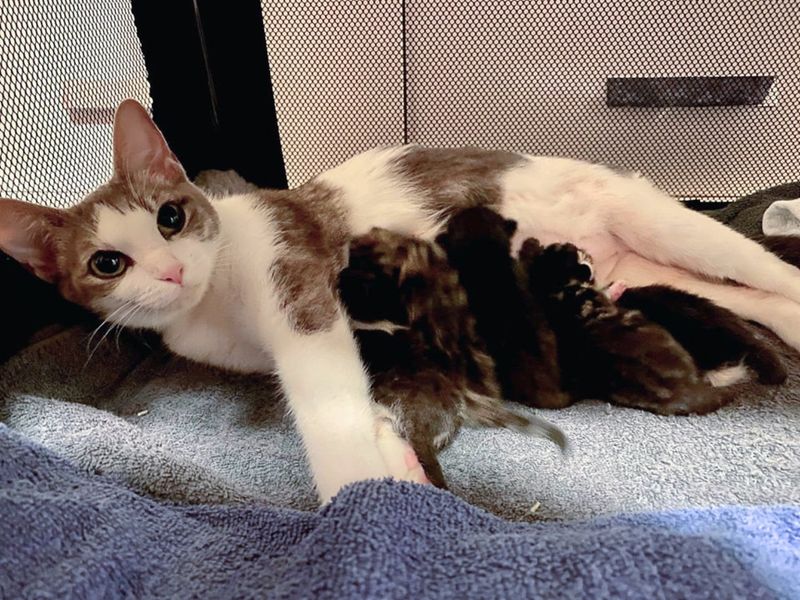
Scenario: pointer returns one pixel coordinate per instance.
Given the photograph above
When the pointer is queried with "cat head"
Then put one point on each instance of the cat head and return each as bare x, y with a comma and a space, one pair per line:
138, 250
476, 232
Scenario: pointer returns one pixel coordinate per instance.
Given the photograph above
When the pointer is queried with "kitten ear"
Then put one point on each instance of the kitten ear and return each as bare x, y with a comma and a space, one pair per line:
510, 227
531, 248
27, 234
140, 146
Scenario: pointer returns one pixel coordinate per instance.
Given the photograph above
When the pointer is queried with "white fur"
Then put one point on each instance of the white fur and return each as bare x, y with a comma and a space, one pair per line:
727, 376
375, 196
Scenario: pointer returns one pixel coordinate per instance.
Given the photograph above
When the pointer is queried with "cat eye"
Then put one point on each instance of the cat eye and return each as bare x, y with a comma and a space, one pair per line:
108, 263
171, 219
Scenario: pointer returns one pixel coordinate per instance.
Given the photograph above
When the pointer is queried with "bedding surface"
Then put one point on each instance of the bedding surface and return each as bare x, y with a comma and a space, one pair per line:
182, 432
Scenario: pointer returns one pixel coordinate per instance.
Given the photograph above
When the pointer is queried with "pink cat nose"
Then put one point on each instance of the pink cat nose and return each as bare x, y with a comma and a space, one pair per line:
173, 274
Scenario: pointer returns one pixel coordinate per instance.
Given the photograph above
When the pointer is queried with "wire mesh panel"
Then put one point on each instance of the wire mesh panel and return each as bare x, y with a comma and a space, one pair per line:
701, 95
64, 66
337, 75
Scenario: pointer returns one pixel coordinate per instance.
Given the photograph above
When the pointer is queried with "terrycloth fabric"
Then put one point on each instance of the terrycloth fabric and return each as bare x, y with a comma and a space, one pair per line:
782, 217
186, 433
67, 534
746, 214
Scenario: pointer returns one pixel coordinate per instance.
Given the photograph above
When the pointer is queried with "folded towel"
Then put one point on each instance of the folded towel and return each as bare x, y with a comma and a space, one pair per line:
68, 534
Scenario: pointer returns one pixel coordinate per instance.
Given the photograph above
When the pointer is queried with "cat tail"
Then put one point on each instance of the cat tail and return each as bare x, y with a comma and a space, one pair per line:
486, 411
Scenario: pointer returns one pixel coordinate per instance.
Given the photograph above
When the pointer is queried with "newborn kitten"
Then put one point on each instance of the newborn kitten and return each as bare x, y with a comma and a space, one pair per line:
714, 336
428, 366
608, 352
478, 245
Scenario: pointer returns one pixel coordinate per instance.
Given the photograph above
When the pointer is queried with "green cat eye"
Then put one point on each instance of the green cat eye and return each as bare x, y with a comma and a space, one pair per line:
171, 219
108, 263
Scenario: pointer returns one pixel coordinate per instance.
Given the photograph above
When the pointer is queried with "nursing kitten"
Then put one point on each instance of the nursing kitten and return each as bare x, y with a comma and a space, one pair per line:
478, 245
607, 352
248, 281
714, 336
429, 368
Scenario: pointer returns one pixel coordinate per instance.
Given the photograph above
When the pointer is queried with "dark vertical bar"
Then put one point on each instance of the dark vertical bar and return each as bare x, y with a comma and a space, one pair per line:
237, 56
210, 83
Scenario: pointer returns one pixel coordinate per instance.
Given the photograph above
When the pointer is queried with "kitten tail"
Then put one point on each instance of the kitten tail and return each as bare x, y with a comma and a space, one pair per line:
484, 411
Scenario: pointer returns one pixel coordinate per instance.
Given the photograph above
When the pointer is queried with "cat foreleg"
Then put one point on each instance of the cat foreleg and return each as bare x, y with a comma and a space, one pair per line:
327, 390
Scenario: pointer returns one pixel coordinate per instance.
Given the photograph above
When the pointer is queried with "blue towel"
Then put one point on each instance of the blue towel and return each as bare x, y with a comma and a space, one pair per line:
68, 534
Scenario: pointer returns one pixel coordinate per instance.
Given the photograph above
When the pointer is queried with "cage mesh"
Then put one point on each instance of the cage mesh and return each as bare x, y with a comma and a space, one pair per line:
337, 76
539, 77
64, 66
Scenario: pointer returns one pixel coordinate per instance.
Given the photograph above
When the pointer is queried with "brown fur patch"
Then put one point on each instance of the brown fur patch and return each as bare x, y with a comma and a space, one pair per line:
451, 179
313, 230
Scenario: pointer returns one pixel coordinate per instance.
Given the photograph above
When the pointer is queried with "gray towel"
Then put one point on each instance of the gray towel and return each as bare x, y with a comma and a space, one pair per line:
184, 432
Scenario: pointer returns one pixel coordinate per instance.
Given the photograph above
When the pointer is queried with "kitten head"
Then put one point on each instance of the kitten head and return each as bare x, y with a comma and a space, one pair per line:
552, 267
393, 277
138, 250
477, 232
370, 285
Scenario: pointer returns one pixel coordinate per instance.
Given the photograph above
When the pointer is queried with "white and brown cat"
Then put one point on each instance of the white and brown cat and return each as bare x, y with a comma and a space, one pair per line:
248, 282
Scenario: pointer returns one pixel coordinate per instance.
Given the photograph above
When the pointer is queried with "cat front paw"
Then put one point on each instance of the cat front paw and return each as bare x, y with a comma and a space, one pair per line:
398, 454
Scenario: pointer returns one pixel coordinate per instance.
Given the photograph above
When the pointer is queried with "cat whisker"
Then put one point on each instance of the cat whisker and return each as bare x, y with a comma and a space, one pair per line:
106, 321
124, 325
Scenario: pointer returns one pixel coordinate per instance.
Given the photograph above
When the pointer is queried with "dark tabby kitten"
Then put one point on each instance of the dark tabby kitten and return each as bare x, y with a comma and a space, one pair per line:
714, 336
609, 352
478, 246
429, 367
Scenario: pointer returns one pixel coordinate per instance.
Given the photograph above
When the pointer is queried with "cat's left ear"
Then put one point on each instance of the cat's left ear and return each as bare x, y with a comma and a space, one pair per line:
140, 146
28, 233
510, 227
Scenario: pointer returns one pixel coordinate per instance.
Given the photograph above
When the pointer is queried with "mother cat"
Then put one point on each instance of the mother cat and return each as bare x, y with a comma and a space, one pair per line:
247, 282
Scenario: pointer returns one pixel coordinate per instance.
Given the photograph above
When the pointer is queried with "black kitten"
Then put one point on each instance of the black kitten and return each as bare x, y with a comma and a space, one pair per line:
429, 368
713, 335
608, 352
478, 246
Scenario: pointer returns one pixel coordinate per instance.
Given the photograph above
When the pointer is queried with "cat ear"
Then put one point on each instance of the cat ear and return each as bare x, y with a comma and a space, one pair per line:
27, 233
510, 227
441, 239
140, 146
